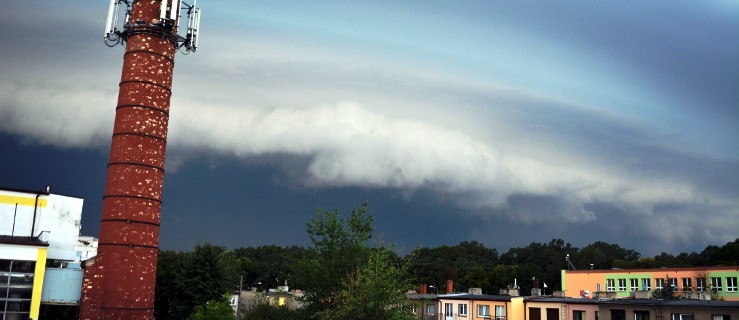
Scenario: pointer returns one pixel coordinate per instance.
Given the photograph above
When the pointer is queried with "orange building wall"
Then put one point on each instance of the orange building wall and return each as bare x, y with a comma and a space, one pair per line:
573, 282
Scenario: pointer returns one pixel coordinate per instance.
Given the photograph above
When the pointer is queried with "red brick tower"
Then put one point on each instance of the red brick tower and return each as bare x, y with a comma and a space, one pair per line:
120, 282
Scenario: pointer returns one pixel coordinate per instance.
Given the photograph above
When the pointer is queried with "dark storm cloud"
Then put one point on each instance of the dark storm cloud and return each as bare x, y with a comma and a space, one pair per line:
582, 120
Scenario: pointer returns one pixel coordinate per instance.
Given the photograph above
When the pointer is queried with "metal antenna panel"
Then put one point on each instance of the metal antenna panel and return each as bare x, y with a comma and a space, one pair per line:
117, 30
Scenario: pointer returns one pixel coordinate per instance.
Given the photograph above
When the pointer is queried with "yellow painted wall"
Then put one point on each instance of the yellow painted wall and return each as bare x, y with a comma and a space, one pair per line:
38, 283
22, 201
516, 309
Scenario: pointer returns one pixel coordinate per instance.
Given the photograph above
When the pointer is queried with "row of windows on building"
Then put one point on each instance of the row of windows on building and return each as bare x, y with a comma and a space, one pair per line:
659, 283
483, 310
620, 314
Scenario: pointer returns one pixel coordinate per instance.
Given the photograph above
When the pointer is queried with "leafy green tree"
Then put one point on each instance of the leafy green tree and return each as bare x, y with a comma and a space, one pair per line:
605, 255
374, 291
544, 261
728, 254
271, 264
216, 309
265, 311
201, 278
465, 264
169, 265
339, 248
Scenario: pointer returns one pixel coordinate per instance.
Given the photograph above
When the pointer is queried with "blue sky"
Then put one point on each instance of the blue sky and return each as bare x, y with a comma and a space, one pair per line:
501, 122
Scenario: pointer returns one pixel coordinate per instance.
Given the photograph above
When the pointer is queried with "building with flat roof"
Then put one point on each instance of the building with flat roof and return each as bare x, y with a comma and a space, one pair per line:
697, 283
39, 230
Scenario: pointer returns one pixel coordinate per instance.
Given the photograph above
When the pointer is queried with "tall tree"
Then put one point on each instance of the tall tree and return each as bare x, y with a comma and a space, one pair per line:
605, 255
169, 265
339, 248
374, 291
202, 278
464, 263
544, 260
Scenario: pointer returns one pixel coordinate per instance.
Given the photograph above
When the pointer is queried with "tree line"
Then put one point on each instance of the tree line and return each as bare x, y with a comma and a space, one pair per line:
345, 275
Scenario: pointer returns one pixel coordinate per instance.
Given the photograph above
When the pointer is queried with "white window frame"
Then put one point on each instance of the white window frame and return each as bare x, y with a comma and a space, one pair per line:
673, 282
431, 308
483, 311
638, 312
659, 283
731, 284
448, 309
610, 284
634, 284
621, 284
499, 312
682, 316
462, 309
687, 283
716, 284
646, 284
700, 284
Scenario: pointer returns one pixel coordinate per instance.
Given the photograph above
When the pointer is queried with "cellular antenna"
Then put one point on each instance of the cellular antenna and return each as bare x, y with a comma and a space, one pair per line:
118, 30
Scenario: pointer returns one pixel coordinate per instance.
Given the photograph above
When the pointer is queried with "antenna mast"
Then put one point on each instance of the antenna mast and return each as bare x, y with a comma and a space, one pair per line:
166, 25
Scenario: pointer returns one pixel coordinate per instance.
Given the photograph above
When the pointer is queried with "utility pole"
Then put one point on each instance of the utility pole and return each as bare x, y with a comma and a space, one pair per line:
238, 300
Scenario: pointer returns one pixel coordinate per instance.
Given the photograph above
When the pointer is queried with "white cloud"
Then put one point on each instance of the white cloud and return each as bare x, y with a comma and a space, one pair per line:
58, 115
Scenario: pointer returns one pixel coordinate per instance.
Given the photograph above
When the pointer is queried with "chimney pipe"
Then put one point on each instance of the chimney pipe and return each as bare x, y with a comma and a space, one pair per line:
120, 283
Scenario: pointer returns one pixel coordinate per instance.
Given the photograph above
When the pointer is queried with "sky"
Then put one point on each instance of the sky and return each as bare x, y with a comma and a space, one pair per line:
502, 122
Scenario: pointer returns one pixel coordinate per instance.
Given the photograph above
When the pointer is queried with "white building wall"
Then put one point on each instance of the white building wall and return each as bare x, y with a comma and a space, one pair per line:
57, 220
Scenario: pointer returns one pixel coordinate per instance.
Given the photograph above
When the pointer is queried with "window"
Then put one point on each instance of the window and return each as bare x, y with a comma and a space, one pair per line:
578, 315
16, 278
483, 311
634, 284
553, 314
700, 284
659, 283
687, 283
430, 308
448, 309
534, 313
618, 314
682, 316
731, 284
673, 282
641, 315
621, 284
720, 317
610, 285
716, 284
462, 309
499, 312
646, 284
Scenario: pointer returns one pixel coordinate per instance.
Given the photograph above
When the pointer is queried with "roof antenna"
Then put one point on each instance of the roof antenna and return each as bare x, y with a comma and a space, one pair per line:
117, 30
570, 266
